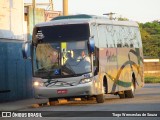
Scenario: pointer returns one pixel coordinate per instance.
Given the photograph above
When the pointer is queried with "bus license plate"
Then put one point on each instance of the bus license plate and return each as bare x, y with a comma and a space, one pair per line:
61, 91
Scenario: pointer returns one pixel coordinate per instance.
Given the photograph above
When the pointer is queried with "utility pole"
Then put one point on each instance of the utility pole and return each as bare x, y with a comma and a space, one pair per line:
34, 14
110, 15
51, 4
65, 7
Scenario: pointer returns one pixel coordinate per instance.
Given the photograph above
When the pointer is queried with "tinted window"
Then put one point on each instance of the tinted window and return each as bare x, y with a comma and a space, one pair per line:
61, 33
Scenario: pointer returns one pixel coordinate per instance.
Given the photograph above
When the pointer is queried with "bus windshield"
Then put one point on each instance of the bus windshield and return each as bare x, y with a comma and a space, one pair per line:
61, 59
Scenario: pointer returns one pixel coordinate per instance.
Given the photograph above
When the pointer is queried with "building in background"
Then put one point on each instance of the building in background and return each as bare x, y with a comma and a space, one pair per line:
15, 73
30, 20
12, 20
151, 67
16, 18
41, 15
51, 14
16, 25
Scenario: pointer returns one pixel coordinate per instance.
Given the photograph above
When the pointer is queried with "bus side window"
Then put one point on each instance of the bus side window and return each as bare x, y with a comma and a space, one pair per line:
119, 45
131, 45
126, 45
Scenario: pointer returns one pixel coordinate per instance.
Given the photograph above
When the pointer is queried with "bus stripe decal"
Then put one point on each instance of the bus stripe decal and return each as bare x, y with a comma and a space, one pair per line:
120, 82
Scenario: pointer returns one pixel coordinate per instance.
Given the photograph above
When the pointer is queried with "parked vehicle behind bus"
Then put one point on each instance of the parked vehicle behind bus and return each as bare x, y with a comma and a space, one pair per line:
86, 56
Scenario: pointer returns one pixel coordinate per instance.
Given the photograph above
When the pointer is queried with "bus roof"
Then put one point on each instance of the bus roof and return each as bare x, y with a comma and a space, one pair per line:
83, 18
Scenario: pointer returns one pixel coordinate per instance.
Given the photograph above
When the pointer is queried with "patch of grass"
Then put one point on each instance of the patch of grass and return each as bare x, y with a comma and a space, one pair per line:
152, 79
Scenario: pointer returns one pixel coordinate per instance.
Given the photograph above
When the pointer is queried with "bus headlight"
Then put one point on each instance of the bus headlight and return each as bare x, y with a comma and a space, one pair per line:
38, 84
86, 80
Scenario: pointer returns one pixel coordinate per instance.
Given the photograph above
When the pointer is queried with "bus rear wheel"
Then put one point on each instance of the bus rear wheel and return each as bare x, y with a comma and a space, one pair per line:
100, 98
122, 95
130, 93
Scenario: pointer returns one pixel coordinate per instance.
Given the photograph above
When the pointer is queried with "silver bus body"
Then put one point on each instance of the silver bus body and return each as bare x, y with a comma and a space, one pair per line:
118, 59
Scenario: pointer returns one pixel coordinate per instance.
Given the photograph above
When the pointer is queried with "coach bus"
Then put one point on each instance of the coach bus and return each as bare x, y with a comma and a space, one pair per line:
85, 56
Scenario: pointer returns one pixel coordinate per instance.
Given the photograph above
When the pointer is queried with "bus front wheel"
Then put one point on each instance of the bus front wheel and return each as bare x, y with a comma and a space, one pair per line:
100, 98
53, 101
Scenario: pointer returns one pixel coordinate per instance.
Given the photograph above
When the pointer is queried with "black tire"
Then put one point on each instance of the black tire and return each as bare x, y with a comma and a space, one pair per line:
130, 93
83, 99
122, 96
100, 98
53, 101
105, 85
91, 98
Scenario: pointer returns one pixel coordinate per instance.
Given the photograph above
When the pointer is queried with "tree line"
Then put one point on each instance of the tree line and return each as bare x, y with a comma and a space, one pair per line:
150, 34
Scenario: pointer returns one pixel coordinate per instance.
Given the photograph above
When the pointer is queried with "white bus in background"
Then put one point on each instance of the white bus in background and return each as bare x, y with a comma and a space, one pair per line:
112, 64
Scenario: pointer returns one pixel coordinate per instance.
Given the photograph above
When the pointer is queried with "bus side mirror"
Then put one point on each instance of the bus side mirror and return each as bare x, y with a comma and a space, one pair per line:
91, 44
26, 50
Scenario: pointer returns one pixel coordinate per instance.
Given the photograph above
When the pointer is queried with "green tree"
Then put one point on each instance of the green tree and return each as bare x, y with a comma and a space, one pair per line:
150, 33
144, 34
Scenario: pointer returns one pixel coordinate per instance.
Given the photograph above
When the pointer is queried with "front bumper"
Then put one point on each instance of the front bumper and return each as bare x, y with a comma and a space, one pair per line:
86, 89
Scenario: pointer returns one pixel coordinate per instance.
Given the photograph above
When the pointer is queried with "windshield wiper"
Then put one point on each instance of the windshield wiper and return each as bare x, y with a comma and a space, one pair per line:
69, 68
49, 82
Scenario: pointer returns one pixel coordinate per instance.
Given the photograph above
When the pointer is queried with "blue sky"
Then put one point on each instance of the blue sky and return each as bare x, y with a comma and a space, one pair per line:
136, 10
